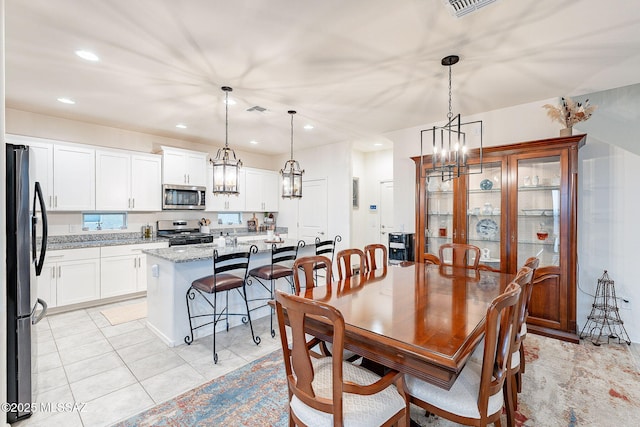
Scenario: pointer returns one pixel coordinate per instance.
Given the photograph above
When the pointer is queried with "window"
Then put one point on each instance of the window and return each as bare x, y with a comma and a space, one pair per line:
230, 218
104, 221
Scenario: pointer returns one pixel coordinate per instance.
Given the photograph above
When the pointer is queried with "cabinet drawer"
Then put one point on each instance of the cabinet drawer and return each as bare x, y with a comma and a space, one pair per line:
109, 251
72, 254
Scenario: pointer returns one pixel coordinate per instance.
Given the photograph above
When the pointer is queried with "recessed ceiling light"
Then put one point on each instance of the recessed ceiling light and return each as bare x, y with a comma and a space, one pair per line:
378, 144
181, 126
253, 141
89, 56
231, 102
308, 127
66, 100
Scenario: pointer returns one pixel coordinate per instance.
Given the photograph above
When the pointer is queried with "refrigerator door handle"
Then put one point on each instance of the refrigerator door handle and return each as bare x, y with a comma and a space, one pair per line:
44, 305
43, 248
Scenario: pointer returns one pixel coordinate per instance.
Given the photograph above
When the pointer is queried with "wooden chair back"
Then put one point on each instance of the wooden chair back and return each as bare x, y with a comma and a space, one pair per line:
345, 269
462, 255
524, 278
299, 368
308, 266
297, 358
430, 259
500, 328
370, 256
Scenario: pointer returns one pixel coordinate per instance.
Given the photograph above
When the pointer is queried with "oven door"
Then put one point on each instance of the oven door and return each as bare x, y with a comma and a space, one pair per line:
183, 197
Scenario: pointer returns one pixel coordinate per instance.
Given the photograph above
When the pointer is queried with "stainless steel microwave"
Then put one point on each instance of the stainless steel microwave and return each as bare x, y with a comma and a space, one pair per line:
183, 197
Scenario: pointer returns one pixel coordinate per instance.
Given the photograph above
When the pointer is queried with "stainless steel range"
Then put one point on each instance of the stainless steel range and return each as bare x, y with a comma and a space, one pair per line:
182, 232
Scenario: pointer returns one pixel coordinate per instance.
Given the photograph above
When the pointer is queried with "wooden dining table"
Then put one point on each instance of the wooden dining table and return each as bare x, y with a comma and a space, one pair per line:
418, 319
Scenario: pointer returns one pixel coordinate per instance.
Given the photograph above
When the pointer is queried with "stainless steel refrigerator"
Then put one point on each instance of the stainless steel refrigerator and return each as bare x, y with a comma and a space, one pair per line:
25, 257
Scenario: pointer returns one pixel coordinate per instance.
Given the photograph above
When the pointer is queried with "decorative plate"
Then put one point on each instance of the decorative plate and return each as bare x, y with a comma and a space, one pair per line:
486, 184
487, 228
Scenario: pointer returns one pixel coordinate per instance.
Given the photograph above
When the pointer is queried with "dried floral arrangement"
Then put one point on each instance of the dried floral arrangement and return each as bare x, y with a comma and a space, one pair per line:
569, 112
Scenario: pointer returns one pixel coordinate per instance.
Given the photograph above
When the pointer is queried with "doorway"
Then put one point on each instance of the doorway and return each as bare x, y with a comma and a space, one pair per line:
385, 212
313, 210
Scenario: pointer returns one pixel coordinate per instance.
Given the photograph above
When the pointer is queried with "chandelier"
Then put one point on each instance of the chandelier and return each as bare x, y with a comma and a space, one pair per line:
291, 173
450, 143
226, 165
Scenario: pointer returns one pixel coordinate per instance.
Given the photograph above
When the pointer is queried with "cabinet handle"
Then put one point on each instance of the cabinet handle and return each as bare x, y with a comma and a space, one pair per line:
59, 272
50, 201
185, 179
133, 202
55, 202
53, 273
188, 179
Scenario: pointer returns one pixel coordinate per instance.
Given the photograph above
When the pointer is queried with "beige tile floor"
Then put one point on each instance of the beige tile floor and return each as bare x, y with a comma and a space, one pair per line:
118, 371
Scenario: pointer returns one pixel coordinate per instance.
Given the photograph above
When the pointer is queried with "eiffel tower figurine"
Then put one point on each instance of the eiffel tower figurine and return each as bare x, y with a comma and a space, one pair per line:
604, 320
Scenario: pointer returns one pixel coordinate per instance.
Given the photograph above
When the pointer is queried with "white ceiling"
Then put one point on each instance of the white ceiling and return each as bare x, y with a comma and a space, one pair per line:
354, 69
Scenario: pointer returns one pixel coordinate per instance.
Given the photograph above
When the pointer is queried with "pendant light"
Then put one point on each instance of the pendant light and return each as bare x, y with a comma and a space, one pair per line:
450, 143
226, 166
291, 173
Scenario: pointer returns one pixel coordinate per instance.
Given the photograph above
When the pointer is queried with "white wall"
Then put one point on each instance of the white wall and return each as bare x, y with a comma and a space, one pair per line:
378, 167
332, 162
608, 229
43, 126
359, 214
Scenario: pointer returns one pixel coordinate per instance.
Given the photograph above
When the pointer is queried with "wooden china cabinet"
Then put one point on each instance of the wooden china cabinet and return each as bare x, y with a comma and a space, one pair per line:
522, 202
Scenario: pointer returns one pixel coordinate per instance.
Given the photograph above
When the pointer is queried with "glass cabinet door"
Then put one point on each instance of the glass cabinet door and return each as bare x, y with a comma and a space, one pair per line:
439, 214
484, 213
539, 210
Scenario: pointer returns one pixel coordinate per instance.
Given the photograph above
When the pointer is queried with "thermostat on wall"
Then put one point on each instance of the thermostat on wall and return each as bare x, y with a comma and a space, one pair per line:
373, 207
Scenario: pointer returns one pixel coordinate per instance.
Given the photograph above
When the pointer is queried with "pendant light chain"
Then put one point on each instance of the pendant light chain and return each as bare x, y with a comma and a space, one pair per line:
450, 114
226, 165
226, 115
292, 113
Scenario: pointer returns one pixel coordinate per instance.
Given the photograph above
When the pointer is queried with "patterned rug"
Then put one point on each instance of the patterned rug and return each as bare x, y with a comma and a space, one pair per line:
564, 385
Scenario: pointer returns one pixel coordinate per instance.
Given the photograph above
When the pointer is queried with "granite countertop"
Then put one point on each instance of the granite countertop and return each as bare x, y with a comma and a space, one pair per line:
95, 240
81, 241
188, 253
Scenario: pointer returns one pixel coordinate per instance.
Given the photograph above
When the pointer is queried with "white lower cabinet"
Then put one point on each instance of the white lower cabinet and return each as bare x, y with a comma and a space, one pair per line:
73, 276
123, 269
70, 276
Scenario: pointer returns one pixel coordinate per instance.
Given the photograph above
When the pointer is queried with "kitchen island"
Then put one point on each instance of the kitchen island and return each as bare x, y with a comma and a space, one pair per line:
170, 272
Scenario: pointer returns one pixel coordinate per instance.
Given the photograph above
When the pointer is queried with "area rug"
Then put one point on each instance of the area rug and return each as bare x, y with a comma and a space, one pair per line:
564, 385
125, 313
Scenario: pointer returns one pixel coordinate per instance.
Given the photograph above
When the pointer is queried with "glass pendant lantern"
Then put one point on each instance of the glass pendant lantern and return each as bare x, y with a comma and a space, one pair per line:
291, 173
226, 166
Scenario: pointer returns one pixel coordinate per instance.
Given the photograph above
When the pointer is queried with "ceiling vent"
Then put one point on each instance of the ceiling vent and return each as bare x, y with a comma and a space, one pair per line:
257, 108
460, 8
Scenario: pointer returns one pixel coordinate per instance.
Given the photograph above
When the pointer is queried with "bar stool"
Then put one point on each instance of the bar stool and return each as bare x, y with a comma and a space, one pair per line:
326, 248
221, 281
281, 267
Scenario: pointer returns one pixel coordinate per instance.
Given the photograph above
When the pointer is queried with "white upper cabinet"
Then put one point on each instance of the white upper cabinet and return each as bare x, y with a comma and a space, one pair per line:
183, 167
128, 181
262, 190
66, 172
41, 170
74, 178
226, 203
113, 180
146, 182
